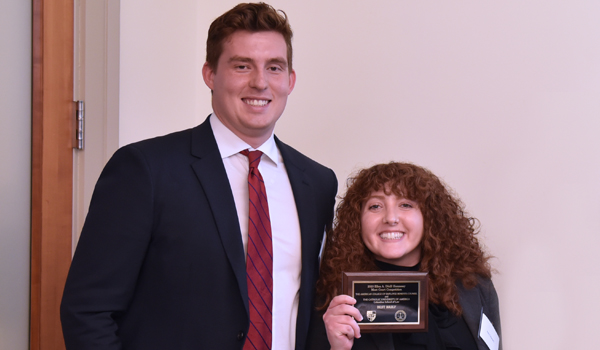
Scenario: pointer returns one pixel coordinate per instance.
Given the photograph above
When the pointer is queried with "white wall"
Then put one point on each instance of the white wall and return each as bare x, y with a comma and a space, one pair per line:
15, 172
501, 99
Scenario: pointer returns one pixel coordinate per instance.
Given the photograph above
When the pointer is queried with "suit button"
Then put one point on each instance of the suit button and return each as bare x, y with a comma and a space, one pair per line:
240, 336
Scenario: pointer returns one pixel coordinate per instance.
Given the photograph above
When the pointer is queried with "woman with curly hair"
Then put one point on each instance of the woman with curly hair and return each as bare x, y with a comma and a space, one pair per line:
401, 217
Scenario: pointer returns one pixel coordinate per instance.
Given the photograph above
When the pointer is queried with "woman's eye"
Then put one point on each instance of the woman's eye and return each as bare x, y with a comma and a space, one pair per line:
406, 205
374, 206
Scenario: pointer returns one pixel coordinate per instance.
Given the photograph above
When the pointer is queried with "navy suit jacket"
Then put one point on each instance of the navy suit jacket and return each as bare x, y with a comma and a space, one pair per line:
160, 263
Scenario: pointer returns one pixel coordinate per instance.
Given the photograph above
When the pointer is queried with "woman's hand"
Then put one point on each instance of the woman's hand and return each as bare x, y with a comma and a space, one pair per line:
340, 322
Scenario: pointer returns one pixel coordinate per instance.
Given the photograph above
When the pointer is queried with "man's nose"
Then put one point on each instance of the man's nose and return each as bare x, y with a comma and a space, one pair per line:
259, 80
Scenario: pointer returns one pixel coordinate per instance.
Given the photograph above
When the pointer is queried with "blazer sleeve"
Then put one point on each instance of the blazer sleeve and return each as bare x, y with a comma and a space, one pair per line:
109, 254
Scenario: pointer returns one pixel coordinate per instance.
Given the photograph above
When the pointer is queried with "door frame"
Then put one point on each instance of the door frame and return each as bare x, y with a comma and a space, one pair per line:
52, 167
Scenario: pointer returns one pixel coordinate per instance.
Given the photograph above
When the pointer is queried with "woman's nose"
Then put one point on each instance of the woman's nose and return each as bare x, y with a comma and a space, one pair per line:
391, 217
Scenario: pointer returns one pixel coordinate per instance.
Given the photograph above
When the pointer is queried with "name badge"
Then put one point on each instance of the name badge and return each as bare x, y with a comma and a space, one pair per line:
488, 333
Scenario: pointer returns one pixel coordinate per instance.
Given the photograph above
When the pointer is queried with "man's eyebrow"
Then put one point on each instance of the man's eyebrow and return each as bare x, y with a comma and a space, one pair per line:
280, 61
240, 59
277, 60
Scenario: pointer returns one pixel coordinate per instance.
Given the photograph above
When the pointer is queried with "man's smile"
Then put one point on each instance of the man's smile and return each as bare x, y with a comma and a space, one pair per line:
256, 102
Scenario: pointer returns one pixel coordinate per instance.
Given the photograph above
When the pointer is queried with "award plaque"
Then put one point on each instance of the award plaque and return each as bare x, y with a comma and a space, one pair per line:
389, 301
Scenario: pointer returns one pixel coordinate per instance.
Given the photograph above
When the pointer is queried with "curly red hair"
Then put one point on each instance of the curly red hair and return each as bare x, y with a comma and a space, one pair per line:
450, 250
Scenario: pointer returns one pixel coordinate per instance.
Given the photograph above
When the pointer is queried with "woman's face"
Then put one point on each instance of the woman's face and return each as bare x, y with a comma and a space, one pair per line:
392, 228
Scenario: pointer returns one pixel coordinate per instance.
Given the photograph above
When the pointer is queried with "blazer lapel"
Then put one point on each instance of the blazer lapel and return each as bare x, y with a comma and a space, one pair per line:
211, 173
471, 303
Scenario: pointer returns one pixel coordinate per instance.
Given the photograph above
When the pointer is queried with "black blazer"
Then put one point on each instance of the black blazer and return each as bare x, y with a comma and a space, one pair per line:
160, 262
473, 301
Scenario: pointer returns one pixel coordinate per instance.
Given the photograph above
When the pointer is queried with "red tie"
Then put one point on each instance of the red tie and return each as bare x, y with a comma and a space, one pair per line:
259, 262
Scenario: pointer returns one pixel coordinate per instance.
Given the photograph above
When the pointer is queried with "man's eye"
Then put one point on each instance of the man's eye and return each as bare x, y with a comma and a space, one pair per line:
275, 69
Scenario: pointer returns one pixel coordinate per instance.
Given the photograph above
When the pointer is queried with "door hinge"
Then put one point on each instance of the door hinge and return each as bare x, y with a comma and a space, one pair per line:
79, 124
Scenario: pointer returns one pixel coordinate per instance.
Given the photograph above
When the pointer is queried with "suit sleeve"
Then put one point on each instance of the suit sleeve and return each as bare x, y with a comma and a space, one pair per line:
317, 334
110, 252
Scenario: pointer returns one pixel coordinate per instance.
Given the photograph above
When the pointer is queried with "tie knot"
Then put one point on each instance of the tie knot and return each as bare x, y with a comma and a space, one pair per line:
253, 157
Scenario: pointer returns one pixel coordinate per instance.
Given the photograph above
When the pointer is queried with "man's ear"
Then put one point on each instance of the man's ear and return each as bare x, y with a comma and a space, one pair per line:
209, 75
292, 81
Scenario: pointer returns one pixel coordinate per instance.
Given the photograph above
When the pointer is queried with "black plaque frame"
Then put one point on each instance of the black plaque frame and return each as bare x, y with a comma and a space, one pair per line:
390, 280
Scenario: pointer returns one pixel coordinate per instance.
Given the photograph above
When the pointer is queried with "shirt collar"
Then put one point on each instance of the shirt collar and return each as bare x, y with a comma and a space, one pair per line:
230, 144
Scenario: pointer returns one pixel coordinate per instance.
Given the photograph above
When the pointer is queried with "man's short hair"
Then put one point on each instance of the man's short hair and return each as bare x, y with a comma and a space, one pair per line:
252, 17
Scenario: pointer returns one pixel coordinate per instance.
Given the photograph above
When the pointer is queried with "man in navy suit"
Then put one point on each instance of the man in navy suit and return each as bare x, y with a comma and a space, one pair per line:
161, 262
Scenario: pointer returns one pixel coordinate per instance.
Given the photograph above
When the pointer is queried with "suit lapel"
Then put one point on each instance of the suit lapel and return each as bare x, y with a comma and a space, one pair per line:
304, 199
303, 194
211, 173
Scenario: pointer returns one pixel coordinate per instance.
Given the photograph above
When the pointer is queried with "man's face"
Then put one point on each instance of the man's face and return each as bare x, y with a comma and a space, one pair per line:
251, 84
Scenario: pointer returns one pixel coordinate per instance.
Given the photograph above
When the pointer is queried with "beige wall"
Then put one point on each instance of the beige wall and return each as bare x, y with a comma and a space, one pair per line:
501, 99
15, 172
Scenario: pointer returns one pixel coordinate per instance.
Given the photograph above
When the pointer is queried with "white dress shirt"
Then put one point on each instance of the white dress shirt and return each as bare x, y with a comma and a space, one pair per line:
285, 226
